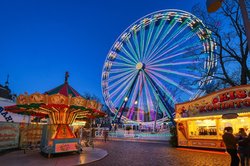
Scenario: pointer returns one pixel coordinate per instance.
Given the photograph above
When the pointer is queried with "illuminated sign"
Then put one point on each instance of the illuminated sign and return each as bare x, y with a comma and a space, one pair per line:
235, 98
66, 147
231, 99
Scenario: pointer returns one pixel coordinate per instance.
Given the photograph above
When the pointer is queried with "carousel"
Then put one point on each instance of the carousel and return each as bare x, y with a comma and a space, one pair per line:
62, 106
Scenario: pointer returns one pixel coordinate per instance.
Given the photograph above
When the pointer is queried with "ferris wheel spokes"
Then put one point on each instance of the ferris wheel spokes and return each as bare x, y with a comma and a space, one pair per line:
142, 42
123, 86
173, 72
173, 64
135, 40
165, 33
165, 90
159, 97
172, 82
120, 64
121, 79
187, 49
131, 49
129, 89
128, 54
149, 99
149, 36
175, 33
168, 48
156, 35
133, 99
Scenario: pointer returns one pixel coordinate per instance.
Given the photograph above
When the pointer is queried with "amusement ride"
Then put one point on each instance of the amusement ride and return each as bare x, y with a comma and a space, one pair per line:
62, 106
163, 58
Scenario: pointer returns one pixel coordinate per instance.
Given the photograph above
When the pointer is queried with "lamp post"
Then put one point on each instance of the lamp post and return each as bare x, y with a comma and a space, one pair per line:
214, 5
156, 112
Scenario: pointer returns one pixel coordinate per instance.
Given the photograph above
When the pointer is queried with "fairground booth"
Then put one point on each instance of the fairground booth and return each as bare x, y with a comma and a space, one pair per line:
200, 123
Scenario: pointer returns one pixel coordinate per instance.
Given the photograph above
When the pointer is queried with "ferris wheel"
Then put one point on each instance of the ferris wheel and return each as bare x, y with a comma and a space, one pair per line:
161, 59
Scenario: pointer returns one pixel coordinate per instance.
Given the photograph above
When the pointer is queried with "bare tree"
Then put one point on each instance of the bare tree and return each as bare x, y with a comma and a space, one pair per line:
90, 96
230, 36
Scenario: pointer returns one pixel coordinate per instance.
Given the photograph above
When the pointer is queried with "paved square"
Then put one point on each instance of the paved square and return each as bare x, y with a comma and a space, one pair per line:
123, 153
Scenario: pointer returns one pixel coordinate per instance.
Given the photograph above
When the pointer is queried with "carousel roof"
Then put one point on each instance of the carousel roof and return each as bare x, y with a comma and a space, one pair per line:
64, 89
62, 105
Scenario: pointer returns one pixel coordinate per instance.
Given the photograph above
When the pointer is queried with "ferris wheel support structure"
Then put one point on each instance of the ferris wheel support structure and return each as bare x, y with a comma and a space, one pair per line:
160, 97
124, 103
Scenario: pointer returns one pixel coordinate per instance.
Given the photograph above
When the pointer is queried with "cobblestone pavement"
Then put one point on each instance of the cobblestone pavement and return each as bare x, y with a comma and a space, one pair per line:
123, 153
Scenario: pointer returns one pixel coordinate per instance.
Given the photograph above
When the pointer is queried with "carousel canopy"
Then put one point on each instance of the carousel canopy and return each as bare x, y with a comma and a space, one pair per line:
62, 105
64, 89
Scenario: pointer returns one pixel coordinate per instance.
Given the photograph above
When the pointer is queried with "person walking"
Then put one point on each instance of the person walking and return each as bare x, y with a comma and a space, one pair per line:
231, 145
105, 135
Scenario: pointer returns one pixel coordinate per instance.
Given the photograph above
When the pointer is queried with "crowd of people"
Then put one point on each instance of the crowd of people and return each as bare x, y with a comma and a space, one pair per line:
238, 146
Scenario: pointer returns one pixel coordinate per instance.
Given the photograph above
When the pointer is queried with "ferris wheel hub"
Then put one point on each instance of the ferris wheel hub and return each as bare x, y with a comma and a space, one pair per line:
139, 66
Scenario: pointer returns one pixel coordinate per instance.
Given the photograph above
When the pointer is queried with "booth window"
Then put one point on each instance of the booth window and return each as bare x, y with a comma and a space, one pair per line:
202, 128
236, 124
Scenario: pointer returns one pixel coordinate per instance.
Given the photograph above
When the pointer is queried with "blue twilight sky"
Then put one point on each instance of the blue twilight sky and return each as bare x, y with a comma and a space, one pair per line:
41, 39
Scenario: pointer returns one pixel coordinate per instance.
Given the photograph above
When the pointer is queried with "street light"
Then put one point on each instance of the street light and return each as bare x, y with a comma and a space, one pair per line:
214, 5
156, 112
126, 99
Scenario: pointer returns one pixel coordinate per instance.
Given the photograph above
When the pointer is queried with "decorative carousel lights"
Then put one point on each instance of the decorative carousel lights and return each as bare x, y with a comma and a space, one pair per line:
63, 106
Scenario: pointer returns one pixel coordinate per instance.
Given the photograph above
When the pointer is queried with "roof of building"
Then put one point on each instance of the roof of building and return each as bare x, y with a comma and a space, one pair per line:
5, 92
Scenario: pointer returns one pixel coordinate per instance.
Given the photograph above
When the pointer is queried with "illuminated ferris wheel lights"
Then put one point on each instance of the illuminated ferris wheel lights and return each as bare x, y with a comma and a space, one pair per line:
146, 22
105, 75
126, 36
158, 16
166, 17
108, 65
118, 46
185, 16
104, 84
195, 24
214, 45
172, 14
200, 36
135, 28
204, 33
206, 47
136, 102
112, 55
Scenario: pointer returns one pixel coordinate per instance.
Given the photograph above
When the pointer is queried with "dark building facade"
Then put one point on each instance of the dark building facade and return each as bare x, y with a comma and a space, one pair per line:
5, 92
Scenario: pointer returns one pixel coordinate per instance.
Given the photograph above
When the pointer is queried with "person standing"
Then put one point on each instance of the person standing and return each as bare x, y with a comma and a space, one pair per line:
248, 149
231, 145
242, 145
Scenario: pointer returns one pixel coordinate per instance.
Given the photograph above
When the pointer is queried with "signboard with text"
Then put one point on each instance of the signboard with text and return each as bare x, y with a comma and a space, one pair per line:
9, 135
65, 147
230, 100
